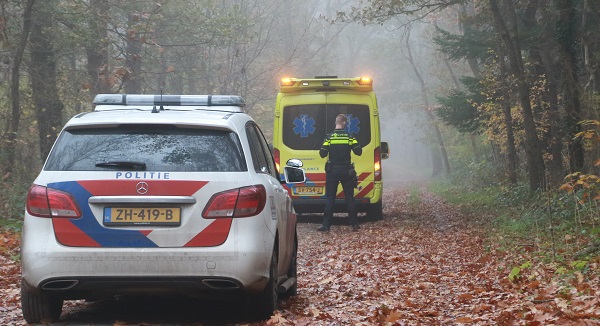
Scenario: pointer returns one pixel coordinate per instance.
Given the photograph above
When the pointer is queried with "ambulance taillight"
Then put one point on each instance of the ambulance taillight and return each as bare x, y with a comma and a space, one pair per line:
377, 163
277, 158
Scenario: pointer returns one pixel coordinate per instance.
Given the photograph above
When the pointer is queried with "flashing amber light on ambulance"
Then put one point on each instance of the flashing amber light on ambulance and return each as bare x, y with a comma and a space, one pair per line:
365, 81
287, 82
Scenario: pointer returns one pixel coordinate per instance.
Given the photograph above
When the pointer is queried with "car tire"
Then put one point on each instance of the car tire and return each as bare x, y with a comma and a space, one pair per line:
293, 271
375, 211
39, 307
261, 306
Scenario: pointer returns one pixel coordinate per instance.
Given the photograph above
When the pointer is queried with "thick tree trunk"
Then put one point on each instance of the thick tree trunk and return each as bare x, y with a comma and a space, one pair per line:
533, 152
97, 49
511, 166
544, 67
565, 35
13, 130
42, 70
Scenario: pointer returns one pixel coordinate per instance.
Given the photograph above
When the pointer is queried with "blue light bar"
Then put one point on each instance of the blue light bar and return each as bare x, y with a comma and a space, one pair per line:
170, 100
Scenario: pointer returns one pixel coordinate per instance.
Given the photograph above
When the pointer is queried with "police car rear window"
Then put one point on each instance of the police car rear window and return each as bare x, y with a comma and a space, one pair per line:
148, 148
305, 126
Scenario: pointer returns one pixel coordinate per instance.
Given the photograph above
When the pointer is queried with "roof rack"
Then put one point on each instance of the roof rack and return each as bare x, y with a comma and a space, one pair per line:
167, 100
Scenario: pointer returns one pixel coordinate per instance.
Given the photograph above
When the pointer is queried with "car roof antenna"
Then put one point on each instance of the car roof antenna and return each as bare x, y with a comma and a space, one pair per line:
162, 108
154, 110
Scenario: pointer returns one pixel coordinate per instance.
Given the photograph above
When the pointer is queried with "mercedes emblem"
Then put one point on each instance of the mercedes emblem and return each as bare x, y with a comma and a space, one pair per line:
142, 188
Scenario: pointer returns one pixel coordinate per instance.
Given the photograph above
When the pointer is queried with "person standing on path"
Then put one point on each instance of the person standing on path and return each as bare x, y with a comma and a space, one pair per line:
339, 168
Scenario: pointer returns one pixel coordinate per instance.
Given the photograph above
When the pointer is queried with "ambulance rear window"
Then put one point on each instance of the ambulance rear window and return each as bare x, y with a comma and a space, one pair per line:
305, 126
155, 148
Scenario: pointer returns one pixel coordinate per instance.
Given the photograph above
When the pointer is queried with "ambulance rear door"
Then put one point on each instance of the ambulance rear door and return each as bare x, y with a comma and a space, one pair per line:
359, 109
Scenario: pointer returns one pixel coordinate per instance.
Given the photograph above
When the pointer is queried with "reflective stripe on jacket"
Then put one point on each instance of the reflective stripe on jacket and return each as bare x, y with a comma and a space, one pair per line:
338, 145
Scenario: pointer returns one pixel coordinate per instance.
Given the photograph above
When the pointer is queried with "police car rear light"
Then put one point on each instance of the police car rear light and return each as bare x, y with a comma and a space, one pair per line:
242, 202
365, 81
48, 202
171, 100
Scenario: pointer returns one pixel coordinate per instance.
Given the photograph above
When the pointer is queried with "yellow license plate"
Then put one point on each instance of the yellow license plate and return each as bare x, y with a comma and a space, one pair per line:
142, 216
308, 190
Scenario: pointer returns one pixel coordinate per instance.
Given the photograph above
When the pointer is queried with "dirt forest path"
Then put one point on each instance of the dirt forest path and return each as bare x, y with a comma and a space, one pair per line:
423, 264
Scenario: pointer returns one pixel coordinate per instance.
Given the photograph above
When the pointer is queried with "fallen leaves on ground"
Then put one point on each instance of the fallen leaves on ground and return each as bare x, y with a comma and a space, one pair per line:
424, 264
10, 276
429, 264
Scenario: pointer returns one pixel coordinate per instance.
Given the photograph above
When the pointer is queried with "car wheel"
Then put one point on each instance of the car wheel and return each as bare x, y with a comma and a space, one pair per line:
261, 306
293, 271
39, 307
375, 211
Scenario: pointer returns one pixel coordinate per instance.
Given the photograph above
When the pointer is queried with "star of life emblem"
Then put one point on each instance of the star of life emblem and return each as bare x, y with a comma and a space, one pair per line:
304, 125
352, 125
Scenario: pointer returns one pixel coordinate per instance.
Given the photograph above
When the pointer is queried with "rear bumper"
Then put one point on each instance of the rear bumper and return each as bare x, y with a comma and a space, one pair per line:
241, 264
317, 205
101, 287
84, 275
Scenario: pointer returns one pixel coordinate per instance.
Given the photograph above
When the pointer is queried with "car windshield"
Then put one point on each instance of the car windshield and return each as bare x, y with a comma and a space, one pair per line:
305, 126
155, 148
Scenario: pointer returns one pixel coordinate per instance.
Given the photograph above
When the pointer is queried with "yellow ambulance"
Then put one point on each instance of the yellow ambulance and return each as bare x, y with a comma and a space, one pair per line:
305, 113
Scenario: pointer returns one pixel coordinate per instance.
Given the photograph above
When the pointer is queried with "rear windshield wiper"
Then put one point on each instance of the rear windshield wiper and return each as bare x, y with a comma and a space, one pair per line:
122, 165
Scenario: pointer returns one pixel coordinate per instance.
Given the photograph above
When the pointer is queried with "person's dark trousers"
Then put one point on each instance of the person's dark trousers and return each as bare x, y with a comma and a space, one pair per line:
332, 179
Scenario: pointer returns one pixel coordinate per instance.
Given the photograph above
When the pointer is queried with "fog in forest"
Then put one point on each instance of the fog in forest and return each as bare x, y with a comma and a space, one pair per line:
242, 48
381, 52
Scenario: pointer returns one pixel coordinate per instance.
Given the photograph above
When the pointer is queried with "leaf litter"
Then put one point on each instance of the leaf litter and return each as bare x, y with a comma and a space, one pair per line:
423, 264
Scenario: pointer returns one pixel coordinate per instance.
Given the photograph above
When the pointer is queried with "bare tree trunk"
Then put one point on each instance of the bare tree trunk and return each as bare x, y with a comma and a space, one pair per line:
591, 45
462, 16
533, 152
13, 131
42, 70
426, 108
566, 39
511, 149
133, 56
97, 49
545, 68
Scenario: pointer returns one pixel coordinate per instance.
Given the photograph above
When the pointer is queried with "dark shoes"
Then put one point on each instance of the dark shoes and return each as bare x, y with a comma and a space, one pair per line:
355, 227
323, 228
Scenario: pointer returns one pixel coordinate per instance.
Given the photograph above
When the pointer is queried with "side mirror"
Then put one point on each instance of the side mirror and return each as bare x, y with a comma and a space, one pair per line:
385, 150
293, 172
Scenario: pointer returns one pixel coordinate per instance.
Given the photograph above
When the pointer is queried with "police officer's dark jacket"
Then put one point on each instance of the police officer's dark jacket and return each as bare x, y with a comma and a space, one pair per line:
338, 145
